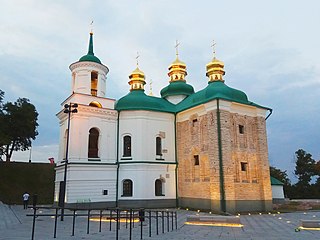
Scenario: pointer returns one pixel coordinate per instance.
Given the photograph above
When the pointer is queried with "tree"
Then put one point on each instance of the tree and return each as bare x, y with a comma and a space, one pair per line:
305, 167
18, 126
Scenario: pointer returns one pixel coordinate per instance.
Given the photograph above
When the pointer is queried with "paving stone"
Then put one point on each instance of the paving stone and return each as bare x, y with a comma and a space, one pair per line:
256, 227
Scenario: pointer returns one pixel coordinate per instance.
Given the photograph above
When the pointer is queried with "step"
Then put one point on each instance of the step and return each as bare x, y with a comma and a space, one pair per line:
213, 219
310, 223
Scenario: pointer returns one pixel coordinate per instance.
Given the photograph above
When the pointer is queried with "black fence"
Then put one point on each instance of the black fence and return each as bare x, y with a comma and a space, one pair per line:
150, 221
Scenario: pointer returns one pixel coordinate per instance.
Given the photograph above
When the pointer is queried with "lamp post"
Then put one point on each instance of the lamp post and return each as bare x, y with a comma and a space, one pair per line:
68, 108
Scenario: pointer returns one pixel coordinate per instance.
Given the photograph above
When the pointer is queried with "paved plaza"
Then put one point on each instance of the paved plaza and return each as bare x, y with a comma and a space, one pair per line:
14, 224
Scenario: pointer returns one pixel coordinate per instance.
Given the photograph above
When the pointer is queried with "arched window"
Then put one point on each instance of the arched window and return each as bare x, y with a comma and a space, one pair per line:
158, 185
127, 146
93, 143
158, 146
94, 83
127, 187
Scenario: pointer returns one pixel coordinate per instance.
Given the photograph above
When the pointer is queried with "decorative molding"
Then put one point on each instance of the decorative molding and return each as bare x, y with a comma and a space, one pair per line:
89, 64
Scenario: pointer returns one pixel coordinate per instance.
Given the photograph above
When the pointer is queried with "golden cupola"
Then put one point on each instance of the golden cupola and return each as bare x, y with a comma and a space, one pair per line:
137, 80
177, 69
215, 70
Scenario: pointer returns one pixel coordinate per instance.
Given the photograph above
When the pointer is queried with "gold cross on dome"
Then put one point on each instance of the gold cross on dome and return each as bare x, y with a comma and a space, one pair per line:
137, 58
176, 47
214, 48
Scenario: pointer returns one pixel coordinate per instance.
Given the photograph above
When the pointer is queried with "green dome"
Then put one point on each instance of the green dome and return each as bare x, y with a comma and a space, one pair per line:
215, 90
90, 57
177, 88
138, 100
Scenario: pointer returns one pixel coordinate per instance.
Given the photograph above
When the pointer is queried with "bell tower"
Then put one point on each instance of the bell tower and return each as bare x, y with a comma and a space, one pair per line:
89, 74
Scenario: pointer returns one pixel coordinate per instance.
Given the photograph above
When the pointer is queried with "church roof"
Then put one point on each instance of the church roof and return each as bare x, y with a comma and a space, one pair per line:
138, 100
177, 88
90, 57
215, 90
275, 181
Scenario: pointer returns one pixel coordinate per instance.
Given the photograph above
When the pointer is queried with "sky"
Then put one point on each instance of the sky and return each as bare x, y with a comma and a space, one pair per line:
270, 50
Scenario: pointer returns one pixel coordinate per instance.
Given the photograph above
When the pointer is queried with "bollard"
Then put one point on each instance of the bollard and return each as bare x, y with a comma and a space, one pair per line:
73, 222
126, 219
110, 219
150, 223
157, 221
100, 220
88, 223
55, 223
168, 228
34, 221
117, 225
35, 200
130, 224
175, 215
141, 215
171, 221
162, 218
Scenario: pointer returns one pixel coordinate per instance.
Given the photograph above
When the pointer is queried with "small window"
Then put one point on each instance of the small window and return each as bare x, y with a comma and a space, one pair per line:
241, 129
158, 187
194, 122
105, 192
127, 188
127, 146
244, 166
158, 146
196, 160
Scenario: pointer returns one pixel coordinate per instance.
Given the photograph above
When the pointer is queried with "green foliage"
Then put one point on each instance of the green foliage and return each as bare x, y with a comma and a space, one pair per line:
35, 178
305, 167
18, 126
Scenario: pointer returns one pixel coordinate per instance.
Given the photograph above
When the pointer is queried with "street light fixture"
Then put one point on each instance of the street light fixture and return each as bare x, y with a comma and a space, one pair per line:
68, 108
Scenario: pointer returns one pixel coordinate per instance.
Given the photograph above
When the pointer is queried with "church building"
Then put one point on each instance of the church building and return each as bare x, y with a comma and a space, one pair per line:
199, 150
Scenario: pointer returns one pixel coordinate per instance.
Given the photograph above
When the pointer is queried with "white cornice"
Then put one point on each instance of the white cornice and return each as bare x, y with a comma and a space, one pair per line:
88, 64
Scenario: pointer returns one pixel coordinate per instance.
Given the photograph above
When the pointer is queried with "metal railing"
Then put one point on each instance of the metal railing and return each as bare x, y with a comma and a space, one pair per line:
148, 220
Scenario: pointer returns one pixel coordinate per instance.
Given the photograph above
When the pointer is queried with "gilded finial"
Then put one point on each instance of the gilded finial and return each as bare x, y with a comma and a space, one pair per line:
137, 57
91, 27
214, 49
176, 47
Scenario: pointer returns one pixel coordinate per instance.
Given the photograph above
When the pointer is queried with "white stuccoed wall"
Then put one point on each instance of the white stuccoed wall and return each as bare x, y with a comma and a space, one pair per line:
144, 127
277, 191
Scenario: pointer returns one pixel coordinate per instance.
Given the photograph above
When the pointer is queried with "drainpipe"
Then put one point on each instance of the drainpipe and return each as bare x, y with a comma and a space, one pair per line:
117, 183
222, 191
176, 158
270, 112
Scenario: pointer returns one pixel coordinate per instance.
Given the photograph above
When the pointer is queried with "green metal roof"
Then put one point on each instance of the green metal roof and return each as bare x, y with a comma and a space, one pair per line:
275, 181
138, 100
90, 57
215, 90
177, 88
